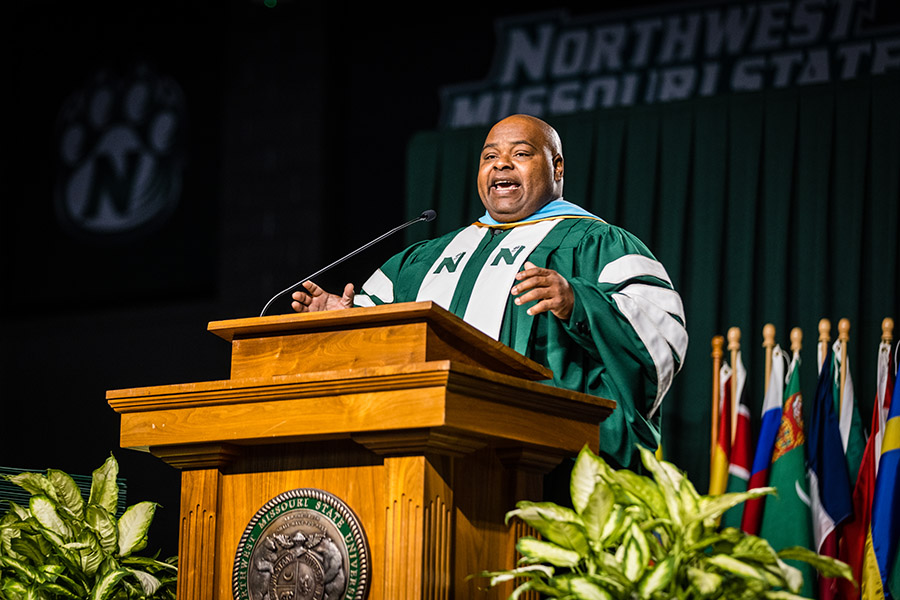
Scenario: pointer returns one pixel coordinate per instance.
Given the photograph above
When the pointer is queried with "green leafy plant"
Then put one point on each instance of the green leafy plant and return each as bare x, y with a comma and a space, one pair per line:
63, 547
635, 537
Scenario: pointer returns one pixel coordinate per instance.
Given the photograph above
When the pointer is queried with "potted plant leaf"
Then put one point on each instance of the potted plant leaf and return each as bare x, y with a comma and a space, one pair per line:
61, 546
637, 537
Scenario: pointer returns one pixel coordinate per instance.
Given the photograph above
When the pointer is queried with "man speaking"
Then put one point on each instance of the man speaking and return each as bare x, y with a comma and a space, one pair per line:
550, 280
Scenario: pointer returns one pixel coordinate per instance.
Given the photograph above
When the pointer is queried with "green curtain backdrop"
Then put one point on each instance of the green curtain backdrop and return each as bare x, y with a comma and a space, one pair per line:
777, 207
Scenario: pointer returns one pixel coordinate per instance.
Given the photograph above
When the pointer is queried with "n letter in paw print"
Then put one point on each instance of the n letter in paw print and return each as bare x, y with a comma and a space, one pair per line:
121, 154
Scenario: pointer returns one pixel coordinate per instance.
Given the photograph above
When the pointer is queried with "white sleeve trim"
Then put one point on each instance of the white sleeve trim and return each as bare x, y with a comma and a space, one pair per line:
664, 298
664, 323
661, 334
380, 286
631, 266
362, 300
655, 344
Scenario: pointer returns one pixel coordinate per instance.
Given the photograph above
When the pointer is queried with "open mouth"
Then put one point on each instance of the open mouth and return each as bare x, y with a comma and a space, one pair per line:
505, 185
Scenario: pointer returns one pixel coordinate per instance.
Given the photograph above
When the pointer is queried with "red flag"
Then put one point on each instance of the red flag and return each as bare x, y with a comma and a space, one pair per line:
856, 530
740, 458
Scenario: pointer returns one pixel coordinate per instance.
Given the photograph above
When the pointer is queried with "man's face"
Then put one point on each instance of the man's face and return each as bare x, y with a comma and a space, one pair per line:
521, 170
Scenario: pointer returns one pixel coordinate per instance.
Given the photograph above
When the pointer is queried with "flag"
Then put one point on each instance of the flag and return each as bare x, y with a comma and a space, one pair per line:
852, 438
786, 518
739, 459
771, 420
884, 390
886, 504
718, 476
856, 537
829, 482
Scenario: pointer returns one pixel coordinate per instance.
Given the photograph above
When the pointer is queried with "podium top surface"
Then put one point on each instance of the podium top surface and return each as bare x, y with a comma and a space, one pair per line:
453, 332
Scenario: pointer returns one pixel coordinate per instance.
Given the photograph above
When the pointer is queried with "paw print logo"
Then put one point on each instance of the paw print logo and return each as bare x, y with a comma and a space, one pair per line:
120, 154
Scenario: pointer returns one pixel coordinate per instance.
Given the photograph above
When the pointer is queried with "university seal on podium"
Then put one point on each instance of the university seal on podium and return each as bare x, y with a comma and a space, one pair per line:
305, 544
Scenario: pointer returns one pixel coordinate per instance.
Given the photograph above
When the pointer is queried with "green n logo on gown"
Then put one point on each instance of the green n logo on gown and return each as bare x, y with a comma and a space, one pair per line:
450, 263
507, 255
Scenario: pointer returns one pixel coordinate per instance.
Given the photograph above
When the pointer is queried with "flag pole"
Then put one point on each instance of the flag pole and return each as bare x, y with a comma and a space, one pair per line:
824, 340
769, 344
718, 344
887, 330
734, 345
843, 337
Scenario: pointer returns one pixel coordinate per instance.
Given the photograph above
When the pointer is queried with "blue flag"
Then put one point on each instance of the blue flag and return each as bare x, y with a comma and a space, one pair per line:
829, 481
886, 504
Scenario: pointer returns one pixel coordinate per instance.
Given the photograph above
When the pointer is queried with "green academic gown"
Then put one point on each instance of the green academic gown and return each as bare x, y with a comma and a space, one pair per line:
624, 340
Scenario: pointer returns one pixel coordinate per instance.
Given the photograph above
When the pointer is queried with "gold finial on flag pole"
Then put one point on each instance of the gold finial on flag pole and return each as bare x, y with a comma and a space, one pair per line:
796, 339
769, 344
887, 330
824, 340
843, 337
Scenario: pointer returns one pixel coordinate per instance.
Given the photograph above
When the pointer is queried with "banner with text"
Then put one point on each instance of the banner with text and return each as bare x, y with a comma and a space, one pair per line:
550, 64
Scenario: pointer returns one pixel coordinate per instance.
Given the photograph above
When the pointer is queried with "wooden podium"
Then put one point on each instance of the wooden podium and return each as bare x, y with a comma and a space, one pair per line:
427, 429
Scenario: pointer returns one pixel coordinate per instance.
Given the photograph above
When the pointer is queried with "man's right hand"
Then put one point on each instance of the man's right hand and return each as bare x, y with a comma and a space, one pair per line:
315, 298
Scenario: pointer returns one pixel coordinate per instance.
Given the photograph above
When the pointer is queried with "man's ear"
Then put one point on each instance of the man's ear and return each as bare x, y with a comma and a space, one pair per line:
558, 167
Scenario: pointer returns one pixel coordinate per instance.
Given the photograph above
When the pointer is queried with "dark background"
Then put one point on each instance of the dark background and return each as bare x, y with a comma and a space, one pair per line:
299, 118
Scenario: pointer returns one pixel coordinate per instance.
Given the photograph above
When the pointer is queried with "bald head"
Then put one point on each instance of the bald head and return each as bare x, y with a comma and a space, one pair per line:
521, 168
551, 138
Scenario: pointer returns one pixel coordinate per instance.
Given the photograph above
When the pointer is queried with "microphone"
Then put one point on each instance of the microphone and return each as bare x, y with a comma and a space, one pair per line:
426, 216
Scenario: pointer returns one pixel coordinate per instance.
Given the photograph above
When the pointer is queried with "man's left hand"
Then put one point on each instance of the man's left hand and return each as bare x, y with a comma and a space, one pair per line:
548, 288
